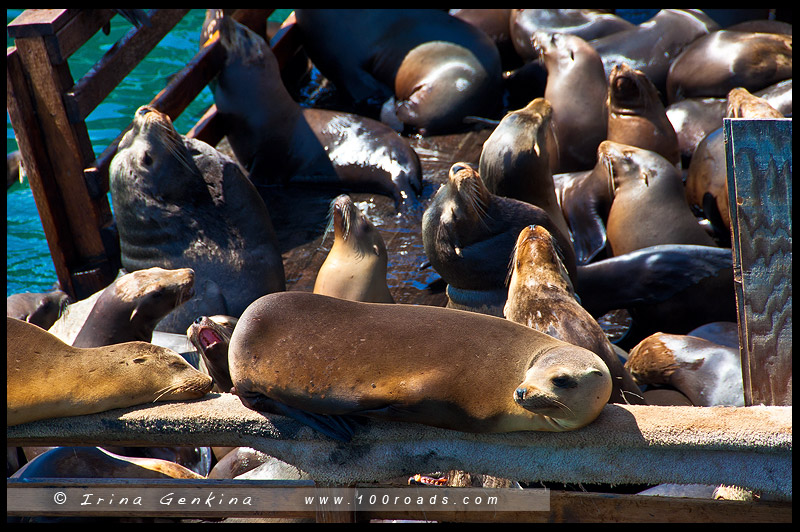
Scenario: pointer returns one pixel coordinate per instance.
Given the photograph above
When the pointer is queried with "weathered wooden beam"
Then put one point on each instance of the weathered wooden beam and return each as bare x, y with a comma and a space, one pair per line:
759, 154
749, 447
118, 62
94, 261
564, 506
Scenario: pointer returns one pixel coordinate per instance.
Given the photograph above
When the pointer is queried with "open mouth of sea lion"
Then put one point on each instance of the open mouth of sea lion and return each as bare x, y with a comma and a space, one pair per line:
209, 338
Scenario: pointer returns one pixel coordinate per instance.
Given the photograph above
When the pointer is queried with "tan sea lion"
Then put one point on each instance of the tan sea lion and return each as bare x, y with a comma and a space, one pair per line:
469, 233
723, 60
541, 296
649, 206
708, 374
47, 378
277, 140
636, 115
707, 177
96, 462
179, 203
515, 159
129, 309
577, 88
416, 363
355, 267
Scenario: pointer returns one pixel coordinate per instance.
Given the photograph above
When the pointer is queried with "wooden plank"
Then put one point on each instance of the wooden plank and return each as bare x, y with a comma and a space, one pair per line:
39, 22
67, 146
759, 165
565, 507
41, 179
76, 32
117, 63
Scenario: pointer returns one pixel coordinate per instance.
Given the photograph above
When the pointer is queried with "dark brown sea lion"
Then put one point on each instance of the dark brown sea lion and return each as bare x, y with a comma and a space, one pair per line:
636, 115
653, 45
469, 236
515, 159
211, 337
129, 309
541, 296
277, 140
649, 206
356, 265
407, 363
179, 203
707, 177
47, 378
438, 68
716, 63
587, 24
708, 374
41, 309
585, 199
95, 462
669, 288
577, 88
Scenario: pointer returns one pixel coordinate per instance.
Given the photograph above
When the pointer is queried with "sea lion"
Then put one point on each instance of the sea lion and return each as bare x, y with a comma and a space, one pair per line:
495, 24
42, 309
14, 169
47, 378
649, 206
96, 462
439, 69
695, 118
355, 267
409, 363
129, 309
637, 117
577, 88
211, 338
237, 462
708, 374
468, 235
653, 45
587, 24
541, 296
707, 177
277, 140
716, 63
720, 332
179, 203
515, 159
669, 288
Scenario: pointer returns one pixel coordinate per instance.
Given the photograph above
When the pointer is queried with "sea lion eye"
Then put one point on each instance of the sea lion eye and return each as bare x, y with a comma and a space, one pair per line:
563, 382
147, 160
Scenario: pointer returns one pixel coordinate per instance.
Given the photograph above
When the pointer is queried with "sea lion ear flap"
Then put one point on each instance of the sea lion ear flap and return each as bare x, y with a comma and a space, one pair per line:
376, 249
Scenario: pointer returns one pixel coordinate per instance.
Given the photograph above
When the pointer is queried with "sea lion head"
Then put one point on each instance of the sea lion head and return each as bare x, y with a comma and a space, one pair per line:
630, 91
625, 164
651, 362
353, 229
742, 104
211, 337
538, 260
150, 154
161, 374
569, 384
155, 292
469, 190
556, 48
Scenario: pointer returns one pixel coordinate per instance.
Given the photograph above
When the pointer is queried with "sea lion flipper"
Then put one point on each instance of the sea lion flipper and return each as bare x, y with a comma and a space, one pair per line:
334, 426
591, 239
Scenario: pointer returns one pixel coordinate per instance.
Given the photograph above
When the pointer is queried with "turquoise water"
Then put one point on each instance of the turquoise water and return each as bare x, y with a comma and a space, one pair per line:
28, 262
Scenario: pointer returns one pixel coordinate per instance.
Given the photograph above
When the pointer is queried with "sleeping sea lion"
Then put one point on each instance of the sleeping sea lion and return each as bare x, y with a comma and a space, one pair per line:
413, 363
47, 378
